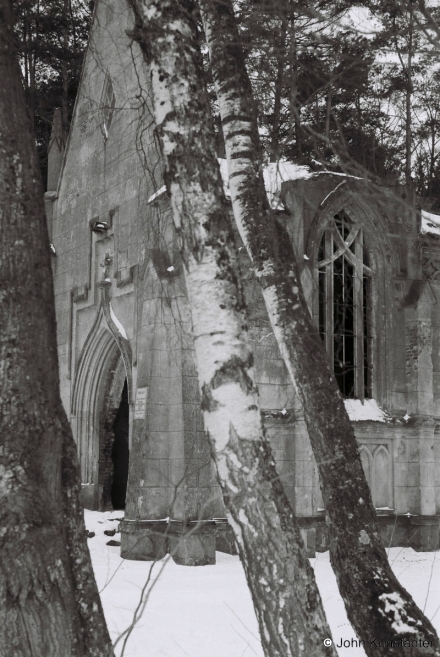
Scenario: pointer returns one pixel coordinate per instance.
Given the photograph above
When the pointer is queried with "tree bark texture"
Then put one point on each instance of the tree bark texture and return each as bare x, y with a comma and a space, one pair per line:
408, 97
377, 605
294, 103
284, 592
278, 88
49, 604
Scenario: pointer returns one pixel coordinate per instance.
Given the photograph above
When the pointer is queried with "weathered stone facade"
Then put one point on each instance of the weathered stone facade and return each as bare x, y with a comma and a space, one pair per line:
124, 331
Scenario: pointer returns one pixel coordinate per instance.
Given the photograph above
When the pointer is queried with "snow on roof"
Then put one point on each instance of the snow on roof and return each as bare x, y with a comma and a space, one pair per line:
430, 223
332, 192
336, 173
367, 410
274, 173
118, 324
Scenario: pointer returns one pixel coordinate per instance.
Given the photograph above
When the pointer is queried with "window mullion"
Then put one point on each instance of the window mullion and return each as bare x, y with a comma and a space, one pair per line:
359, 318
343, 311
329, 296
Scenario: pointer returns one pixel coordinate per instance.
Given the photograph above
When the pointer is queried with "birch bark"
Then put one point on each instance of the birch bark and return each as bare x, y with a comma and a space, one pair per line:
285, 596
377, 605
49, 603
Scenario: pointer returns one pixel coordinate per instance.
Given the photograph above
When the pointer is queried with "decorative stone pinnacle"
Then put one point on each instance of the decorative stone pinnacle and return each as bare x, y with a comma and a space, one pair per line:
57, 129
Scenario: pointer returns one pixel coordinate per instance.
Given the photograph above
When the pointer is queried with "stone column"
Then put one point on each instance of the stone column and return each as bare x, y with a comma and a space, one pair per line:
417, 305
427, 533
427, 468
172, 494
419, 371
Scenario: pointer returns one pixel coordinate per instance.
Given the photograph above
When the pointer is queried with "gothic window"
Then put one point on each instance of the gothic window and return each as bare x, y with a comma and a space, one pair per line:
377, 469
107, 107
344, 313
381, 494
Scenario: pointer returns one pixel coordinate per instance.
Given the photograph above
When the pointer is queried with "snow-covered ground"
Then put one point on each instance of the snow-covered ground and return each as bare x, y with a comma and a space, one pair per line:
207, 611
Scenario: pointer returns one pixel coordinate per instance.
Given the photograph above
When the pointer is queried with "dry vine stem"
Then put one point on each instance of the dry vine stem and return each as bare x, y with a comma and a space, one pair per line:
286, 599
377, 605
49, 602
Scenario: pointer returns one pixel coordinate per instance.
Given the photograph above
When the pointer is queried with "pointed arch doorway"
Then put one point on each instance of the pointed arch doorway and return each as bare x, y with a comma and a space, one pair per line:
101, 420
114, 429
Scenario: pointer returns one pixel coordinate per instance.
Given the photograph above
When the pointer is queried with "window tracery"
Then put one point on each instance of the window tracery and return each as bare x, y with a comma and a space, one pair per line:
108, 102
344, 304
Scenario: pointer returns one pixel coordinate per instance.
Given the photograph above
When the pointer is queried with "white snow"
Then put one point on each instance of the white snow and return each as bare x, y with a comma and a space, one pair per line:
157, 194
225, 177
366, 410
117, 323
430, 223
395, 604
207, 611
274, 173
333, 191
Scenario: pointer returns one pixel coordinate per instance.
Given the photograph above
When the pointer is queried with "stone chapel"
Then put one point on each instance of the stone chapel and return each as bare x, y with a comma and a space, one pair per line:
370, 265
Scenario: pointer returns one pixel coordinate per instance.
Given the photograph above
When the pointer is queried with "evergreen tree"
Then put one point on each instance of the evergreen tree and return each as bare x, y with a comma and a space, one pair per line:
51, 37
49, 599
371, 593
315, 81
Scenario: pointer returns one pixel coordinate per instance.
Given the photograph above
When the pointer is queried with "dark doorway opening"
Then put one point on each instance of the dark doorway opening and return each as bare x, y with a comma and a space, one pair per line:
120, 452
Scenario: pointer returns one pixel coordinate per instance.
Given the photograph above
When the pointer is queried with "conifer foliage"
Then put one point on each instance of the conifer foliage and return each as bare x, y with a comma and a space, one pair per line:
49, 602
371, 593
50, 38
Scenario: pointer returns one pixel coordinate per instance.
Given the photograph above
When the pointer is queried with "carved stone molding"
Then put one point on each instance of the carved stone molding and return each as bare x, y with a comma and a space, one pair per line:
431, 267
286, 415
125, 276
123, 343
430, 262
81, 293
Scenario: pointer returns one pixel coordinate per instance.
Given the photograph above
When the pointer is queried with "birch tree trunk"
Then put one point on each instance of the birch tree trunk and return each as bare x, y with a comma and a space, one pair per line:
377, 605
284, 592
49, 603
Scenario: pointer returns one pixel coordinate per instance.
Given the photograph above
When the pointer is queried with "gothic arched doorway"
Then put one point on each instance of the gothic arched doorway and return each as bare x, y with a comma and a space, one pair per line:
114, 439
120, 452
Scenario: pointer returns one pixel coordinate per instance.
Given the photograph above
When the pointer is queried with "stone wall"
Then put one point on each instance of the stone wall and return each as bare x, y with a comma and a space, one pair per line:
123, 314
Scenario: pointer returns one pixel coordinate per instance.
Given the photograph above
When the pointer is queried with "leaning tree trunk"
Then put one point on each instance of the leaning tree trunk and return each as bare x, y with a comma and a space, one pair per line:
377, 605
49, 603
286, 599
408, 96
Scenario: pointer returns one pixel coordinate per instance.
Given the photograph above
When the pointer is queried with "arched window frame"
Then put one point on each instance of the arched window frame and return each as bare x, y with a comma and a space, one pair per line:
107, 106
371, 453
349, 249
358, 199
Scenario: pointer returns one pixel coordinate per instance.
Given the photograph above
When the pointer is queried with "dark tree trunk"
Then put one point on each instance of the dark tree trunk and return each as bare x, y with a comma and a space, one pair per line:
286, 599
377, 605
295, 109
328, 112
64, 75
408, 96
278, 91
49, 603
